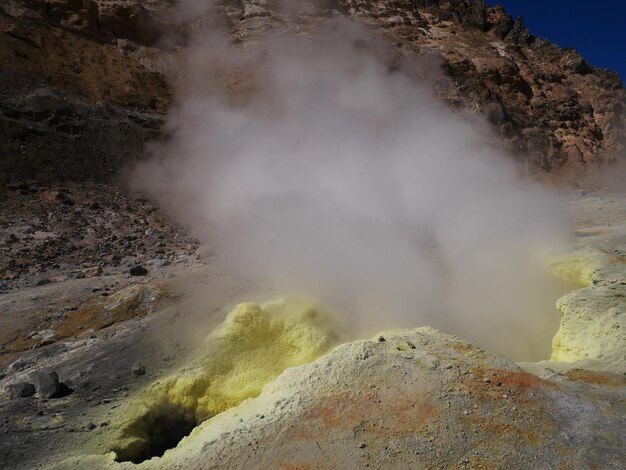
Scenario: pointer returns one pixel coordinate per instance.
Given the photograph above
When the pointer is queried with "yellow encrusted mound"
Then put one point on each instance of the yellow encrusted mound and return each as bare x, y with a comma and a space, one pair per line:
253, 345
577, 268
251, 348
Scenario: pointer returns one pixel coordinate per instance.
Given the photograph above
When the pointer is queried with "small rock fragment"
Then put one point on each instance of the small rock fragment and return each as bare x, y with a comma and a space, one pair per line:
92, 272
138, 369
138, 270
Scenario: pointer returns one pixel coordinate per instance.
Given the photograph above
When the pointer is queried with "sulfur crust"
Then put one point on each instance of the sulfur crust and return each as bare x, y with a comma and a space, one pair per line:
593, 322
579, 269
576, 269
252, 347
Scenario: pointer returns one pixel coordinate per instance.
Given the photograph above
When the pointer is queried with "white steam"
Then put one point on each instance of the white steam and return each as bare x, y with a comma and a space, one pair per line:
310, 166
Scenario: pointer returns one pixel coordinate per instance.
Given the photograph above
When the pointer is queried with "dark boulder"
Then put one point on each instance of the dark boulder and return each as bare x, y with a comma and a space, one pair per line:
47, 384
21, 390
138, 271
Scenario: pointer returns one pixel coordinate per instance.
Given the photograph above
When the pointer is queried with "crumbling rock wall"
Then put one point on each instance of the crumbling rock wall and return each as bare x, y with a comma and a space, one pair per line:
111, 61
77, 101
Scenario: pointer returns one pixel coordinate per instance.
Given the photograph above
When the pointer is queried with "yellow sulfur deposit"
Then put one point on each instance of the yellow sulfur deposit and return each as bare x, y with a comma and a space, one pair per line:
592, 328
250, 348
578, 269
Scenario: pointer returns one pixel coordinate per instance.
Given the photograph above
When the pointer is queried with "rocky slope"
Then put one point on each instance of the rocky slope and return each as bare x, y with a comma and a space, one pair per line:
140, 356
86, 83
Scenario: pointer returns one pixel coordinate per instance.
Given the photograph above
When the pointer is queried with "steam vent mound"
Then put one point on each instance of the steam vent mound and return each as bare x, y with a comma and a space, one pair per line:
251, 348
400, 400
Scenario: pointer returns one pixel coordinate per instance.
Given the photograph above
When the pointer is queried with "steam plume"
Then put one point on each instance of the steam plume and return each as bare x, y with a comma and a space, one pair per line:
310, 165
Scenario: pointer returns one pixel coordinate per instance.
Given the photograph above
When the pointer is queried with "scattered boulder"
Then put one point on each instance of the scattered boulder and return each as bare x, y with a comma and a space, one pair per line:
47, 384
57, 196
159, 263
138, 270
21, 390
92, 272
137, 369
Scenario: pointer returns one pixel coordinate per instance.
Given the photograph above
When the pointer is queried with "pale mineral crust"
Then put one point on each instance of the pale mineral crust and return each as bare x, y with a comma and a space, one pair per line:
593, 328
86, 83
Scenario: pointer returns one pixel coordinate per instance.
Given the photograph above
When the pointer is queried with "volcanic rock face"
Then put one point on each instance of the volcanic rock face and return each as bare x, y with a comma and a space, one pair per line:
87, 82
76, 101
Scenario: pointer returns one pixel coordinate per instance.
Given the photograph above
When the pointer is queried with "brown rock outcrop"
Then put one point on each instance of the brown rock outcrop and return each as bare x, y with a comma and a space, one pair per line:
108, 61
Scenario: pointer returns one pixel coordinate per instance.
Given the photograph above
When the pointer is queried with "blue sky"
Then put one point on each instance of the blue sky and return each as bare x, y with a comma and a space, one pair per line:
595, 29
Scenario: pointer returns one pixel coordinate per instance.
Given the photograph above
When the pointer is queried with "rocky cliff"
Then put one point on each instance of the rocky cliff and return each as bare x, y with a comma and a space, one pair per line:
555, 111
88, 82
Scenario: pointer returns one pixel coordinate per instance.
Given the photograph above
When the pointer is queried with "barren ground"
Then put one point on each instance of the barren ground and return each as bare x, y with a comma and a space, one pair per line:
419, 399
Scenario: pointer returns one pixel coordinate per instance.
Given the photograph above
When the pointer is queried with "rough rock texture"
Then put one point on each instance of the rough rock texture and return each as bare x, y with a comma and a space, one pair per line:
86, 83
46, 383
21, 390
49, 233
76, 100
554, 110
55, 238
418, 399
